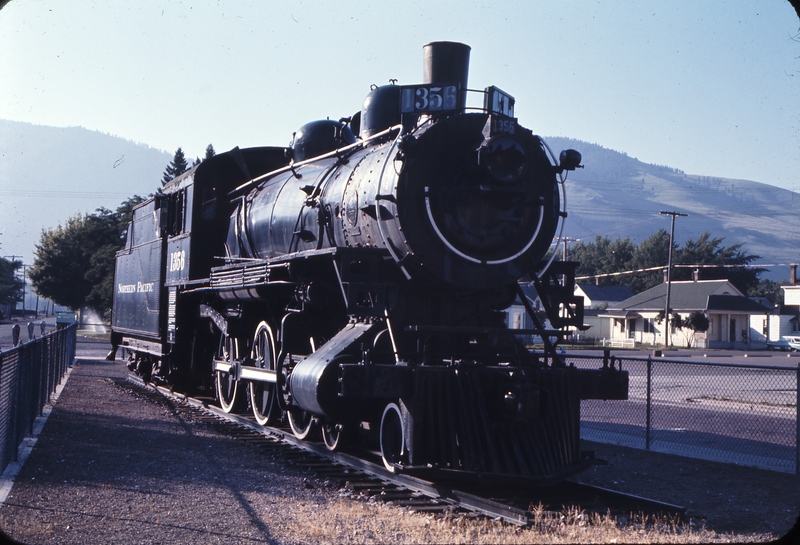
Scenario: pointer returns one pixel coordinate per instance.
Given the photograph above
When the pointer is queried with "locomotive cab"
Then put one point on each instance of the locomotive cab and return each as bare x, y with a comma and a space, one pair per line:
172, 243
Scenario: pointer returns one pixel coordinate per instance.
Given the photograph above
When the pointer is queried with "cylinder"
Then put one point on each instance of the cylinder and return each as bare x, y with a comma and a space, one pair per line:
446, 62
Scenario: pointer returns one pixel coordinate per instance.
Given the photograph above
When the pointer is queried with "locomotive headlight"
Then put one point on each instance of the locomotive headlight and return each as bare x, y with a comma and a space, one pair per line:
503, 158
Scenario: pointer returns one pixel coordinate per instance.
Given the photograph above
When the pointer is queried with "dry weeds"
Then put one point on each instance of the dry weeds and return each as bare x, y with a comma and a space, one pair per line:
369, 521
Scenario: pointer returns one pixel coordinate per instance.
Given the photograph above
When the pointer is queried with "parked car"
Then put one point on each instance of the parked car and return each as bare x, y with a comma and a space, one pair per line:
794, 343
785, 344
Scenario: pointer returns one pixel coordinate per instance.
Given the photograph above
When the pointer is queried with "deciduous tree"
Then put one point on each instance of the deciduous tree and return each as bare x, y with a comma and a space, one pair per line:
604, 256
74, 263
768, 289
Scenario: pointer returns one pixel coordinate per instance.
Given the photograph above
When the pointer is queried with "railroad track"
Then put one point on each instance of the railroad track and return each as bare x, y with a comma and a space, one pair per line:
363, 476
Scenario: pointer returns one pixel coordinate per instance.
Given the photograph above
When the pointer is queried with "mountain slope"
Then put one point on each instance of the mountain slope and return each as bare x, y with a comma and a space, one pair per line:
48, 174
620, 196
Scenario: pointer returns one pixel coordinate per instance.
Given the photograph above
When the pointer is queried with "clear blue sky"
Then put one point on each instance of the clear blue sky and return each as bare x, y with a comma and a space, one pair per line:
707, 86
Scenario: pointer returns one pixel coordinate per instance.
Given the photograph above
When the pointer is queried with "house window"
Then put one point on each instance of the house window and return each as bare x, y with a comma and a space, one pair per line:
649, 326
515, 324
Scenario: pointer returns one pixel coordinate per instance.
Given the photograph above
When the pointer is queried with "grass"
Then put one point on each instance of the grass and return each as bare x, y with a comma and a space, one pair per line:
370, 521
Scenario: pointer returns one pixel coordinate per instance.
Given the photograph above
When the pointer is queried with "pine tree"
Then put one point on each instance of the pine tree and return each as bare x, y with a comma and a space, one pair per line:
209, 152
10, 285
177, 167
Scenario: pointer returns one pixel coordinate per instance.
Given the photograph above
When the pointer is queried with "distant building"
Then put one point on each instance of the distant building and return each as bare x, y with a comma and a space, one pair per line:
600, 297
517, 315
728, 311
780, 321
595, 300
785, 319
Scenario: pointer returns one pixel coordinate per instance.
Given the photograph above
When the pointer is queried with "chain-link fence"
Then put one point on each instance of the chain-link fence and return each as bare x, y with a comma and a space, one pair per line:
29, 375
743, 414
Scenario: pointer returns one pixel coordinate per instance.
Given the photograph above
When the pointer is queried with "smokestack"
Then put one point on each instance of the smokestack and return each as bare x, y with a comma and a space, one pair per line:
446, 62
793, 273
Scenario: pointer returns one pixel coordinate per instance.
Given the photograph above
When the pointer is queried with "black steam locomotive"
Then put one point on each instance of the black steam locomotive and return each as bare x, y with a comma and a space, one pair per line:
354, 283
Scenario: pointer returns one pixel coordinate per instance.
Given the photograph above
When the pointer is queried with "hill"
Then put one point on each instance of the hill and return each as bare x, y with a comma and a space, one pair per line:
48, 174
619, 196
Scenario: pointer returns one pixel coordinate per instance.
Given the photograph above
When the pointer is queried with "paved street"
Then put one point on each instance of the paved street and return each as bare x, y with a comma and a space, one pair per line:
5, 330
711, 408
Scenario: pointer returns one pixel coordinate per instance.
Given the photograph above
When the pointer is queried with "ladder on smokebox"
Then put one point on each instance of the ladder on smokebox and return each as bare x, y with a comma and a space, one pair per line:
556, 290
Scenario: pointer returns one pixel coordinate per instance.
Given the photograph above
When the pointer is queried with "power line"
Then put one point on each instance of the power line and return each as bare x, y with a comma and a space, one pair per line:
682, 266
62, 194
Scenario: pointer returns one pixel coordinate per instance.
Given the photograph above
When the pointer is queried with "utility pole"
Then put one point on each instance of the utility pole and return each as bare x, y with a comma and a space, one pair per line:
24, 286
13, 307
565, 240
669, 274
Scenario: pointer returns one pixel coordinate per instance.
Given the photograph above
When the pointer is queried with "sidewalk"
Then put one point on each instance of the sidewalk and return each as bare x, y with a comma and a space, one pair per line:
111, 468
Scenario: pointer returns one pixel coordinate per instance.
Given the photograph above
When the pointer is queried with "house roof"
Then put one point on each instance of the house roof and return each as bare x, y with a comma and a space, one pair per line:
735, 303
620, 313
787, 310
763, 301
529, 290
684, 296
606, 293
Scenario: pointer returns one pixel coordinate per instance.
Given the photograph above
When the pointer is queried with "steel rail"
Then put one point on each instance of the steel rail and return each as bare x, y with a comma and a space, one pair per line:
435, 491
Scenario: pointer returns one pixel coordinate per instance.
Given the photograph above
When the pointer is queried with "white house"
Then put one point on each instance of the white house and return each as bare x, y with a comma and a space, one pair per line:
785, 321
595, 300
517, 315
781, 321
729, 313
600, 297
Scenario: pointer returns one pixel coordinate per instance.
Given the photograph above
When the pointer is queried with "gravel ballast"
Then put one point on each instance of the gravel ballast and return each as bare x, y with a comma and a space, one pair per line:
113, 467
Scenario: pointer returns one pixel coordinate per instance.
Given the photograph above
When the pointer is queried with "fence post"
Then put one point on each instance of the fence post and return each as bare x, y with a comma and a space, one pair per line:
649, 388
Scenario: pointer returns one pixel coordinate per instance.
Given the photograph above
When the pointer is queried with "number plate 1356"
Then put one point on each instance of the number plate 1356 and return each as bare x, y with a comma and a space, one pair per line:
428, 98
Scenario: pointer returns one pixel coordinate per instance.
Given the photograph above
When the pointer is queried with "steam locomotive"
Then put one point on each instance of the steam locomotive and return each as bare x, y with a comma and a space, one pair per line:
353, 284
